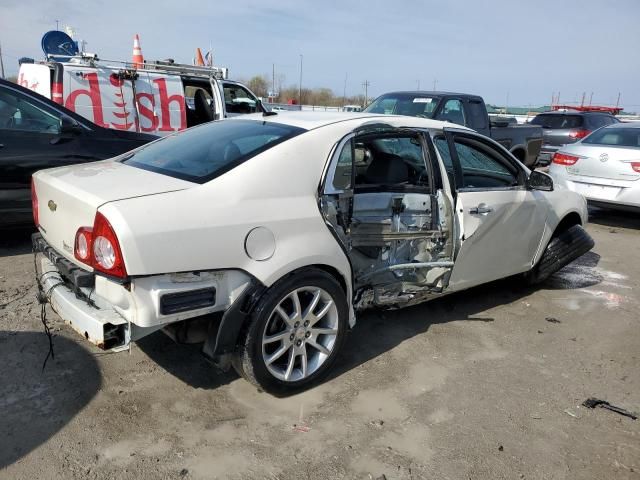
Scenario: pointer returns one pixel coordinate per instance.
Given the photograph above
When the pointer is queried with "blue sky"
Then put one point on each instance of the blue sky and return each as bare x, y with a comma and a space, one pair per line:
523, 50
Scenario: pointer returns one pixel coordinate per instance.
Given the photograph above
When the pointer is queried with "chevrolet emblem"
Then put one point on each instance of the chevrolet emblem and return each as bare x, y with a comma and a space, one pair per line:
52, 205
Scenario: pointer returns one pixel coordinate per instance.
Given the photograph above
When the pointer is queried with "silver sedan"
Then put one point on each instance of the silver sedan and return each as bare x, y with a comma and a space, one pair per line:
604, 167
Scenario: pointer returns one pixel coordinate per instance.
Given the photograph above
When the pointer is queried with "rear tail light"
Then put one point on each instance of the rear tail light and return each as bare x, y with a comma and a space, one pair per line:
635, 166
578, 134
99, 248
564, 159
34, 203
82, 246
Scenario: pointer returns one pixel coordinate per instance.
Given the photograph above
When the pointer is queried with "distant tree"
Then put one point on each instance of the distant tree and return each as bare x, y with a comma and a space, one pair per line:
259, 85
12, 78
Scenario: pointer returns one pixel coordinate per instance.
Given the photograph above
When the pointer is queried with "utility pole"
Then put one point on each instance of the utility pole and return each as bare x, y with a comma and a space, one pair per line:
366, 85
590, 98
435, 82
273, 83
300, 85
57, 26
418, 84
344, 91
1, 63
618, 101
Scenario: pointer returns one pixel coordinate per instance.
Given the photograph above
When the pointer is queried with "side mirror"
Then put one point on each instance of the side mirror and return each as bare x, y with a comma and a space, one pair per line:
69, 126
540, 181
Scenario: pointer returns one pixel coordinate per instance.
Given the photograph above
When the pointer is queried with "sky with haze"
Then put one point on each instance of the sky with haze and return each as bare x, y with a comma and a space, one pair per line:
523, 51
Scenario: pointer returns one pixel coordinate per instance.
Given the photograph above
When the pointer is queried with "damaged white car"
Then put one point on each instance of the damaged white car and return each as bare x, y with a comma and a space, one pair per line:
262, 237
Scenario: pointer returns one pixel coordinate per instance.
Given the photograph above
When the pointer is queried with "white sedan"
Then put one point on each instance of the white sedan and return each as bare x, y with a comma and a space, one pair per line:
604, 167
262, 237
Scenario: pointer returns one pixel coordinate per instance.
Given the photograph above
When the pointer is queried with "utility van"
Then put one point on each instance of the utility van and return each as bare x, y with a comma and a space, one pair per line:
159, 98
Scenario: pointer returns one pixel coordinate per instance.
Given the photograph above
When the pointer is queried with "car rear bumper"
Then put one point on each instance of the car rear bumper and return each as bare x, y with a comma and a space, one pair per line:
599, 194
111, 315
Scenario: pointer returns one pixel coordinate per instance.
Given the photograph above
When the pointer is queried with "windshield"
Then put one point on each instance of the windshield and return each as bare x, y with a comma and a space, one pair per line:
414, 105
558, 121
205, 152
618, 137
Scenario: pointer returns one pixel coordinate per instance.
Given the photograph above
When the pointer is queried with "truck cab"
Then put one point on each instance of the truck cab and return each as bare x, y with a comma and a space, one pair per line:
523, 141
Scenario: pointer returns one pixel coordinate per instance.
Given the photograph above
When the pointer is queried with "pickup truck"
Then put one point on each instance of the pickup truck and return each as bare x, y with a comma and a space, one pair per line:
523, 141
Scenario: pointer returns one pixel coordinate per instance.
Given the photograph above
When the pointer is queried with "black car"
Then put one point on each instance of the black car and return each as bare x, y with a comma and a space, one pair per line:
563, 127
36, 133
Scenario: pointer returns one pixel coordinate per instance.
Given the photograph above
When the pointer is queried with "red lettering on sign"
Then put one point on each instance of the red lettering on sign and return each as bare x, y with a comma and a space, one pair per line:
147, 112
22, 82
94, 95
165, 100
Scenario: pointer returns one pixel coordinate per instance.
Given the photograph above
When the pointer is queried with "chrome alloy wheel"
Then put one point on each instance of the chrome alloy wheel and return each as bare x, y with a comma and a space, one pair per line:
300, 334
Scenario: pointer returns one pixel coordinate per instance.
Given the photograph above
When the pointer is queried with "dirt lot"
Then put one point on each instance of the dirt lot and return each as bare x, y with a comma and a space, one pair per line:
485, 384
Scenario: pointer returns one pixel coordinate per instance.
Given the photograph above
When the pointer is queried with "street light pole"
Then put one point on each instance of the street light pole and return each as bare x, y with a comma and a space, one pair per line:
300, 85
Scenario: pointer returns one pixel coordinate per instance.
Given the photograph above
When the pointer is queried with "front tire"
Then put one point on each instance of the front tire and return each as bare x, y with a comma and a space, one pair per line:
294, 334
563, 248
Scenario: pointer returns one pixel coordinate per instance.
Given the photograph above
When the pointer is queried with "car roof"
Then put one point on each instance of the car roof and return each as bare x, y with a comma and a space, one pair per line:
624, 125
311, 120
431, 93
574, 112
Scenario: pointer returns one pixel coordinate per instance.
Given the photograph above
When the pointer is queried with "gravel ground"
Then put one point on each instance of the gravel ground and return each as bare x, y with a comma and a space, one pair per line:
485, 384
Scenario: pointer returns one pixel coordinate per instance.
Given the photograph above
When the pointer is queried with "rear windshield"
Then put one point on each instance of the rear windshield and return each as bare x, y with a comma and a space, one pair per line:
414, 105
202, 153
556, 121
619, 137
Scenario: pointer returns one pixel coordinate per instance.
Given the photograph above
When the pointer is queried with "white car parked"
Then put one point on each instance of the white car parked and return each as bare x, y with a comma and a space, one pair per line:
604, 166
281, 227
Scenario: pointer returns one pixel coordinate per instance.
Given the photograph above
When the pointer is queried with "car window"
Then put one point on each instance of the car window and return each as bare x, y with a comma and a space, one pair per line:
482, 167
558, 121
414, 105
452, 112
445, 154
477, 115
615, 136
19, 112
202, 153
238, 99
389, 160
344, 167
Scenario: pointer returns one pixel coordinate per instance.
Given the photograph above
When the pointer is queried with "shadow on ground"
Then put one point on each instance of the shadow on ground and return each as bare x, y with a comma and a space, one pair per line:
614, 218
15, 242
378, 331
34, 405
185, 362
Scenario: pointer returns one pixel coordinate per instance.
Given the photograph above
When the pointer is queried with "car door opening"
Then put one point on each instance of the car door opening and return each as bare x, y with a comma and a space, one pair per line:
394, 225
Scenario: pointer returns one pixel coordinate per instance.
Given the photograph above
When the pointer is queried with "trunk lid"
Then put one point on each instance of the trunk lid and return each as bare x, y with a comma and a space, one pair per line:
606, 162
68, 197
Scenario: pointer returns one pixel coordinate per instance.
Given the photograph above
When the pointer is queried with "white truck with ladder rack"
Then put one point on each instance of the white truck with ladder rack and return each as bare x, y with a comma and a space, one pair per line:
160, 98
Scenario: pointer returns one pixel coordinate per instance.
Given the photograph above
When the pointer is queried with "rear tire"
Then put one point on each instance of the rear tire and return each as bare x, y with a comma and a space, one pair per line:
295, 333
563, 248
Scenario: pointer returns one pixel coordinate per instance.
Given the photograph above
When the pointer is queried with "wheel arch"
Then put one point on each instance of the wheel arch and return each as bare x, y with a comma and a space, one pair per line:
236, 318
519, 152
569, 220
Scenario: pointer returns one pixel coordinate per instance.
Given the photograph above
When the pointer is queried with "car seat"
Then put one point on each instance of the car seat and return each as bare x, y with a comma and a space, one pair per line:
386, 168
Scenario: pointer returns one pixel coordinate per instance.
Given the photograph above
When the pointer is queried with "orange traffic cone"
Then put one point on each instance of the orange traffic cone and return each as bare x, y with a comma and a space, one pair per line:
199, 61
138, 60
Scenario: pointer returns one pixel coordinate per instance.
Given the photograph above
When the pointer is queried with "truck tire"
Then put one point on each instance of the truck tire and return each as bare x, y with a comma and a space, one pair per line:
295, 333
563, 248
